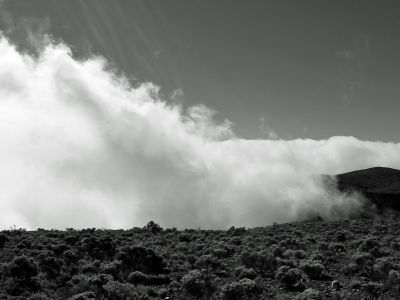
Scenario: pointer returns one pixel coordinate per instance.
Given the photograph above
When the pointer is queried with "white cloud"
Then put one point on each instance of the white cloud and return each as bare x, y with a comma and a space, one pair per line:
80, 147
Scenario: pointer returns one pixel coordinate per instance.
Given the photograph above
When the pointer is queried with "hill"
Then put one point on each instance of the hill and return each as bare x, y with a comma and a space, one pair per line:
380, 185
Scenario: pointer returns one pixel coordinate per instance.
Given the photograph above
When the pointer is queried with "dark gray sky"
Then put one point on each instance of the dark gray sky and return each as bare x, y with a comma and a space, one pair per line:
310, 69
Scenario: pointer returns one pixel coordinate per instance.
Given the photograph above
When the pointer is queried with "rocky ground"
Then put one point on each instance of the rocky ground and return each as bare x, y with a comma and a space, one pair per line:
316, 259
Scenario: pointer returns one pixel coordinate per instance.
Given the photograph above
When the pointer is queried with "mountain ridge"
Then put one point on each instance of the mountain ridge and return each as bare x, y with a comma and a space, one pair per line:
380, 185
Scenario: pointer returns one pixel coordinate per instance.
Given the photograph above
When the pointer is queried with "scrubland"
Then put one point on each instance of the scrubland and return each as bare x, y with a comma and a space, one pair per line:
355, 258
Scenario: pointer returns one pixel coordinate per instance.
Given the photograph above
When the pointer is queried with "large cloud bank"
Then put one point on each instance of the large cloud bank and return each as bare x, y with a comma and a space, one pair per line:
80, 147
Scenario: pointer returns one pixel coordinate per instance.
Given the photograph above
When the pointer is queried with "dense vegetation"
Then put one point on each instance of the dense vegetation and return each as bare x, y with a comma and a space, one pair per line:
316, 259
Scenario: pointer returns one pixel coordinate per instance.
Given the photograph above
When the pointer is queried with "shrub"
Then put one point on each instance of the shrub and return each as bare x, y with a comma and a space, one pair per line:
37, 296
312, 269
112, 268
263, 262
237, 231
83, 282
365, 262
337, 247
89, 266
318, 257
235, 241
191, 259
242, 272
220, 253
71, 256
277, 251
382, 267
291, 243
323, 246
59, 249
138, 277
184, 237
136, 258
3, 239
153, 227
335, 285
294, 254
371, 245
362, 258
49, 264
393, 277
309, 294
22, 269
198, 284
342, 236
98, 248
373, 288
19, 275
71, 239
243, 289
290, 277
158, 280
355, 284
83, 296
208, 262
350, 269
395, 244
123, 291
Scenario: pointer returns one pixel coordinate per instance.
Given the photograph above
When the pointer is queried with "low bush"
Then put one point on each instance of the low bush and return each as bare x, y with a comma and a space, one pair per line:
312, 269
370, 245
291, 243
240, 290
393, 277
290, 277
136, 258
362, 258
3, 240
21, 272
372, 288
355, 284
197, 284
237, 231
309, 294
294, 254
243, 272
138, 277
83, 296
382, 267
153, 227
115, 290
263, 262
185, 237
337, 247
208, 262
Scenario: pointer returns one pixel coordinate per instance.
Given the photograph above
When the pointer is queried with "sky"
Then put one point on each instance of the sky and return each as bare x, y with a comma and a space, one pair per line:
275, 69
192, 114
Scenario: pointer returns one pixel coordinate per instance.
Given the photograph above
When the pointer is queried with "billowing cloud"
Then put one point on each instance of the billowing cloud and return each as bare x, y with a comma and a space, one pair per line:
81, 147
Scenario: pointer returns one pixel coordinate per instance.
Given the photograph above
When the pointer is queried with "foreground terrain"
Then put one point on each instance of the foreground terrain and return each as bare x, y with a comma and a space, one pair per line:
316, 259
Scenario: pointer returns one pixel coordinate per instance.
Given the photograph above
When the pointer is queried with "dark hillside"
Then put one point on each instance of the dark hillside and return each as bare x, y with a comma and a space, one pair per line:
380, 185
